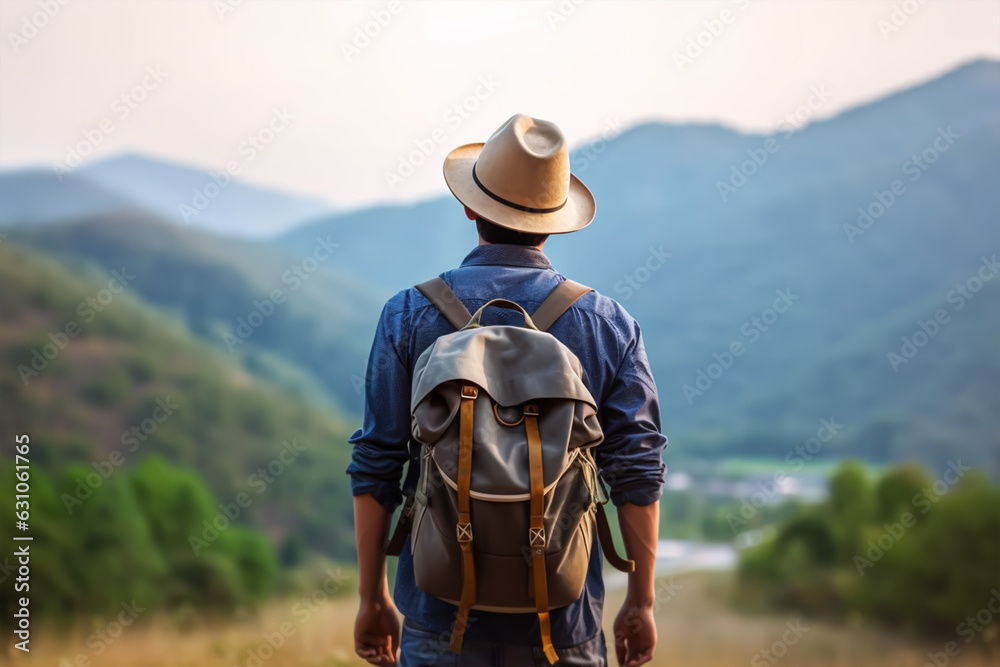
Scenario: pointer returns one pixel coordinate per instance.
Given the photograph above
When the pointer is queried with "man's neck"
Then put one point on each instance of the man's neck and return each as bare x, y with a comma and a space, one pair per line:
483, 241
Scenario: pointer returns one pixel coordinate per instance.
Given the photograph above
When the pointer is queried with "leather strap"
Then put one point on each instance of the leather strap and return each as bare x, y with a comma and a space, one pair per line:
394, 546
608, 543
558, 302
536, 531
438, 293
464, 527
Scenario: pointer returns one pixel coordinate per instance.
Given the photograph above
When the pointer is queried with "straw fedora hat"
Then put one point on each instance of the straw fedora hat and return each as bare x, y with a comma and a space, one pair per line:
520, 179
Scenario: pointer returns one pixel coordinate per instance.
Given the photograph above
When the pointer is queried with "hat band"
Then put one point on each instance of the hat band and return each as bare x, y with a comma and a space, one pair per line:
526, 209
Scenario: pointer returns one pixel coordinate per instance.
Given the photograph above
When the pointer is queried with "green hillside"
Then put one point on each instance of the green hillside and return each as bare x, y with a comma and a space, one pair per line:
98, 378
289, 318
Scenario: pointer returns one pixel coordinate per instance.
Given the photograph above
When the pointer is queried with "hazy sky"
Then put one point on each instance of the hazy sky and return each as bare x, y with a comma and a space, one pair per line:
199, 78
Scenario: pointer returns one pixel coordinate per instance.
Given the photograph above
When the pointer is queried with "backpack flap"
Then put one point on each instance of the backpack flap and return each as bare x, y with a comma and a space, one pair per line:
531, 368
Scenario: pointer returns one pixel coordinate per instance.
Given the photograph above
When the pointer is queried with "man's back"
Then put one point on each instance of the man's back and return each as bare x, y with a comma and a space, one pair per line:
607, 342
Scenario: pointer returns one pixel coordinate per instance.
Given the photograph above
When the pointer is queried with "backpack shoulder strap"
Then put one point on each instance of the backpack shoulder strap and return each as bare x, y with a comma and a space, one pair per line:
438, 293
558, 302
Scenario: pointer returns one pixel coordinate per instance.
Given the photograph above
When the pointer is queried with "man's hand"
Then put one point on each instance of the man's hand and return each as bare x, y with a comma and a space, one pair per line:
635, 634
376, 631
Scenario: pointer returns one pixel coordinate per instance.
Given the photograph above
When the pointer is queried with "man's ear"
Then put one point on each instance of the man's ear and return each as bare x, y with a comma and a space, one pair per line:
469, 213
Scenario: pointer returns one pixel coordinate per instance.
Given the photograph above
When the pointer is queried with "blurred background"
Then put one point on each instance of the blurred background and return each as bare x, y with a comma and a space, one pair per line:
204, 205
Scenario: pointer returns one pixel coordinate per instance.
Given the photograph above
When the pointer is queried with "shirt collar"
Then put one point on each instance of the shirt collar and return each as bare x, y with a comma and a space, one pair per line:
505, 254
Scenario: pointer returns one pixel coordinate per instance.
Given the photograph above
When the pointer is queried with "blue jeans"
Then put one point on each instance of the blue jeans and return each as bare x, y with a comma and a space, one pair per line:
423, 647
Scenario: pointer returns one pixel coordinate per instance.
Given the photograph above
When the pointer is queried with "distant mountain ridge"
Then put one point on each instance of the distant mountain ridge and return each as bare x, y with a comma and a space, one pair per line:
214, 201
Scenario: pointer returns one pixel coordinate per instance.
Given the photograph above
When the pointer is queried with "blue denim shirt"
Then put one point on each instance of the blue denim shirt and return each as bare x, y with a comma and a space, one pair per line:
608, 343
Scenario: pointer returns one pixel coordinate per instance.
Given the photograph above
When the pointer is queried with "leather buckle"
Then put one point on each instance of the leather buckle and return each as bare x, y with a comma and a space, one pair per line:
499, 419
468, 391
530, 410
536, 537
464, 532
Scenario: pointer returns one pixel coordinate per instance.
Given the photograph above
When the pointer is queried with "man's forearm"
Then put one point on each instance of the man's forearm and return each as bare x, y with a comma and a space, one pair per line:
640, 526
371, 525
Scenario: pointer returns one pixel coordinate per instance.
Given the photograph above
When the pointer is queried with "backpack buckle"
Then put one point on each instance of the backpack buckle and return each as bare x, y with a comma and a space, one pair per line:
496, 414
470, 391
464, 532
536, 537
530, 410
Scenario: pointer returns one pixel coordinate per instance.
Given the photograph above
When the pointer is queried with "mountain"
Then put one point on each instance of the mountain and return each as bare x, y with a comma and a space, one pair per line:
745, 216
845, 262
98, 378
290, 319
38, 196
204, 200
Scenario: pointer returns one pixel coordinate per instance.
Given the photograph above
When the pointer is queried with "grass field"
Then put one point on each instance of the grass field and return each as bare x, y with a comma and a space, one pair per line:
696, 629
768, 466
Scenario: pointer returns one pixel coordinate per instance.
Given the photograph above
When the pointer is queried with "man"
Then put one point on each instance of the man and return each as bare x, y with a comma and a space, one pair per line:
519, 190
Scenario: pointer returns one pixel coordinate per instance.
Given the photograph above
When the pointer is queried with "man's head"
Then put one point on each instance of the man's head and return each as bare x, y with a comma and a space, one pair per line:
517, 186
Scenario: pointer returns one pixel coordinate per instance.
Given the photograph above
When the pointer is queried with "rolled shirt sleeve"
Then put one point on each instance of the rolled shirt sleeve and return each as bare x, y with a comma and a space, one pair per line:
380, 445
631, 457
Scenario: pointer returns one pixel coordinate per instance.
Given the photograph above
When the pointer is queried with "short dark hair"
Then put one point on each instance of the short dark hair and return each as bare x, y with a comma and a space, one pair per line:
493, 233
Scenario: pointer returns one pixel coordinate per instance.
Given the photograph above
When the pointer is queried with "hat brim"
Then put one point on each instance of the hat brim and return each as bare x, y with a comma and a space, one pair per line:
577, 213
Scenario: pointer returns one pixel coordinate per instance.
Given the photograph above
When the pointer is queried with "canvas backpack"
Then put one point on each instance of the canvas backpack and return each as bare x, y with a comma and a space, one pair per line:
508, 497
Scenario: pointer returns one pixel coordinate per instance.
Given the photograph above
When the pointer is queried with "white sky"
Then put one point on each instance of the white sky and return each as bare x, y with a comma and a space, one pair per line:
353, 119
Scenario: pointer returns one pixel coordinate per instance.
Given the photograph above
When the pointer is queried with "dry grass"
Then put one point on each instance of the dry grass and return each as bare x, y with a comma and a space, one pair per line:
696, 629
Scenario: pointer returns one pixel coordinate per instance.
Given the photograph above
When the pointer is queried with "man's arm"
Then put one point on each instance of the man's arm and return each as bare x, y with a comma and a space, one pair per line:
371, 526
376, 629
635, 627
630, 459
377, 459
